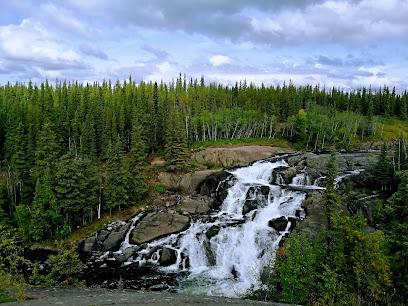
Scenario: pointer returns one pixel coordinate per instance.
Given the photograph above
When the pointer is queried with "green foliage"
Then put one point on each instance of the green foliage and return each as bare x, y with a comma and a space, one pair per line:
294, 268
120, 285
383, 171
116, 191
176, 151
10, 288
66, 268
160, 188
11, 251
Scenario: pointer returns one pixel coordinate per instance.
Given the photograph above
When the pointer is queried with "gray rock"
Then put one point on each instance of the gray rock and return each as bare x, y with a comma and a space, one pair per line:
89, 243
198, 204
167, 257
116, 236
103, 234
156, 225
289, 174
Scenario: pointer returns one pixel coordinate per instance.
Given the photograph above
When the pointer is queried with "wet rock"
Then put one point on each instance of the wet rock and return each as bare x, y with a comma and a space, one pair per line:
209, 253
126, 254
216, 187
156, 225
289, 174
159, 287
212, 231
249, 206
278, 224
167, 257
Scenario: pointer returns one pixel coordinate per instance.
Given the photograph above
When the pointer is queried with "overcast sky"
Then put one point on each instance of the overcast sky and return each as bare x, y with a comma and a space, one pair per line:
342, 43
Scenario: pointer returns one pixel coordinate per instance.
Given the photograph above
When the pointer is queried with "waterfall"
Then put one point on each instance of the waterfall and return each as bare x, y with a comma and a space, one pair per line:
231, 259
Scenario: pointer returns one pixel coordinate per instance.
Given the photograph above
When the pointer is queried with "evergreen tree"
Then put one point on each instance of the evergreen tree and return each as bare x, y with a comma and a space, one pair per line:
176, 151
137, 163
47, 150
116, 191
383, 172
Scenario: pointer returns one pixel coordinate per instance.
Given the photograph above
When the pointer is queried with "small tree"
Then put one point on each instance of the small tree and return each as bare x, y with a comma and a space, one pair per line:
383, 172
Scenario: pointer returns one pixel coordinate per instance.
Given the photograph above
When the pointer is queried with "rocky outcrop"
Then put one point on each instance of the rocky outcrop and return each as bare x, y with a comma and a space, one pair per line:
158, 224
185, 183
317, 162
232, 156
192, 204
106, 239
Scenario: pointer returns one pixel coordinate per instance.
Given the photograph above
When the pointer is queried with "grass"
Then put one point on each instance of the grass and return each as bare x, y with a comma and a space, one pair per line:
264, 141
393, 129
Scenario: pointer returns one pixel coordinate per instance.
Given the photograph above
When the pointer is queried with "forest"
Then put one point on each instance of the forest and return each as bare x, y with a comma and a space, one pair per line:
70, 153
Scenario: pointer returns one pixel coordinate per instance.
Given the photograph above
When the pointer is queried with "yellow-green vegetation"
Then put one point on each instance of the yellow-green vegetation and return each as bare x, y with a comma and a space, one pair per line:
261, 141
392, 128
10, 288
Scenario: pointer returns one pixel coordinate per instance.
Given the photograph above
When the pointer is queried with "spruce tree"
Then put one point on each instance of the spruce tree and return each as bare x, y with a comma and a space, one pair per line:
383, 172
116, 191
330, 198
176, 151
137, 164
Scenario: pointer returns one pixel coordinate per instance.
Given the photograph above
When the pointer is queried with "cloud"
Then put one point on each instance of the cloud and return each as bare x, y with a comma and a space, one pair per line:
91, 50
263, 21
218, 60
160, 54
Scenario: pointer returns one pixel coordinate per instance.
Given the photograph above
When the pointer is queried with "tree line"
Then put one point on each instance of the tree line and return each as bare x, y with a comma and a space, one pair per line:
70, 152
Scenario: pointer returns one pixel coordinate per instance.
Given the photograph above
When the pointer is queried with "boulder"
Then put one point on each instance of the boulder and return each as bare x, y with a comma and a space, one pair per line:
116, 236
167, 257
288, 174
88, 243
279, 224
197, 204
186, 183
158, 224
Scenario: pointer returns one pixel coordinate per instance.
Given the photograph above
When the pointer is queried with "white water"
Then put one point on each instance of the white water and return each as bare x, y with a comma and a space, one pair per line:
231, 262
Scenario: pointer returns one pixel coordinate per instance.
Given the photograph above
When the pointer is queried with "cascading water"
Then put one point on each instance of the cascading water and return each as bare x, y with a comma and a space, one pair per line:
242, 242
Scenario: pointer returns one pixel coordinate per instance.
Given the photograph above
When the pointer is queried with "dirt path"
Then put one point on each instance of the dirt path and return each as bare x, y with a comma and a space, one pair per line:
92, 296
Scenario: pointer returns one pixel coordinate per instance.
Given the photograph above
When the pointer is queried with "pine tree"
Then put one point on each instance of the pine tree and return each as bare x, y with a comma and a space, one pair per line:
116, 191
330, 198
176, 151
383, 172
137, 164
47, 150
73, 192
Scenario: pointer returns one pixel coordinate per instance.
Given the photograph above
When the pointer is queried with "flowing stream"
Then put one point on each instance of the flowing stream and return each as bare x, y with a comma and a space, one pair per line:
225, 252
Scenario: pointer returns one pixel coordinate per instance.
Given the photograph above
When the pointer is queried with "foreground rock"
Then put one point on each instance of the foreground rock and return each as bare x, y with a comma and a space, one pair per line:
97, 296
106, 239
156, 225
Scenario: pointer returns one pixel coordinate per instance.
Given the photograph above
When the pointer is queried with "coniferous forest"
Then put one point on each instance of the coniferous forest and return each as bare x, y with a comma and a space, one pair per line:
70, 153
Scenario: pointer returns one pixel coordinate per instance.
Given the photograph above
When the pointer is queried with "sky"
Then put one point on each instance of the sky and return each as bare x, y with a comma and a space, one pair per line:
343, 43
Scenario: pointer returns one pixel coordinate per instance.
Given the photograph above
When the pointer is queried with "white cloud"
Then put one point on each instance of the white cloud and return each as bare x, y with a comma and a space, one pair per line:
218, 60
33, 43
